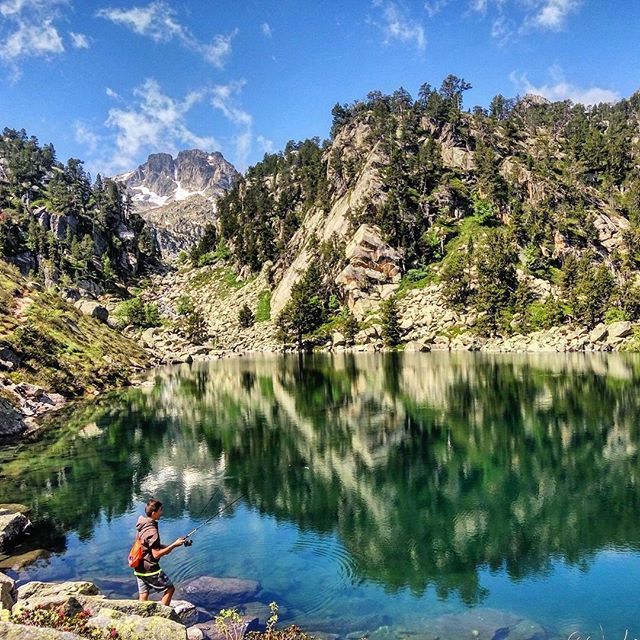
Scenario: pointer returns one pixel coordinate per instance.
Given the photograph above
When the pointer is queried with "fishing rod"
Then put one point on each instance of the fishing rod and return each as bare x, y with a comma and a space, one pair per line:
187, 542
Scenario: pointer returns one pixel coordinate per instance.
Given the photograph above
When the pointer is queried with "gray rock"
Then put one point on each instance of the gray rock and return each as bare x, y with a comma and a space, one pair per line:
338, 339
620, 329
212, 593
37, 589
9, 359
93, 309
135, 627
187, 613
10, 631
598, 333
11, 422
234, 629
12, 526
8, 593
416, 346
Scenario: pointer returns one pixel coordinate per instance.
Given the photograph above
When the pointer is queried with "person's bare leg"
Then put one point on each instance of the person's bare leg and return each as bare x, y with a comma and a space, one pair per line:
143, 597
168, 594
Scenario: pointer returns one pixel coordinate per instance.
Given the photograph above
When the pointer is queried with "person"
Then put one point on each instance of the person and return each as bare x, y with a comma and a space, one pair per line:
148, 573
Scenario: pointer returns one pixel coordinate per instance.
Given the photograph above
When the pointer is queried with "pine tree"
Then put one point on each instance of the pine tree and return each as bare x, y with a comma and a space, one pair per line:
390, 323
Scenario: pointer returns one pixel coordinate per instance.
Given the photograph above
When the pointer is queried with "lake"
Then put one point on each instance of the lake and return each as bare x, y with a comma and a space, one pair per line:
374, 493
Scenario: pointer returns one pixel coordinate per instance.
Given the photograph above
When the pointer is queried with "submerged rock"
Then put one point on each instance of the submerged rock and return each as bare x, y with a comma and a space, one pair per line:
215, 593
480, 624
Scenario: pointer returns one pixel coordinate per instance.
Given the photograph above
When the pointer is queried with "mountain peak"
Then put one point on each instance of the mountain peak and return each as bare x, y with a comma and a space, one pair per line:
163, 179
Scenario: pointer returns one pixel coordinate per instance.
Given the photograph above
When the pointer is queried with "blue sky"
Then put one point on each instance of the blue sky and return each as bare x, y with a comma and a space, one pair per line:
110, 82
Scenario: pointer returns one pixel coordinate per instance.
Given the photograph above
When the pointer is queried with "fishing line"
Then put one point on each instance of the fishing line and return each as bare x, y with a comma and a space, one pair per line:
188, 542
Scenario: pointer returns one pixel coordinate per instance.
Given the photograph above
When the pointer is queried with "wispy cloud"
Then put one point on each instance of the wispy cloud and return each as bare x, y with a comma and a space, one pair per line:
158, 21
153, 121
397, 25
266, 29
28, 29
224, 98
510, 18
560, 89
79, 40
552, 14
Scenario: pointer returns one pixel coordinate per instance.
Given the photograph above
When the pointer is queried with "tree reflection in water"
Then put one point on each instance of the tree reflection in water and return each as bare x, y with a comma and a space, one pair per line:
427, 467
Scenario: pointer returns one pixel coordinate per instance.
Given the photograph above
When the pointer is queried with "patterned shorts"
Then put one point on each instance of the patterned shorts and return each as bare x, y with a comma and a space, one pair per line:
158, 582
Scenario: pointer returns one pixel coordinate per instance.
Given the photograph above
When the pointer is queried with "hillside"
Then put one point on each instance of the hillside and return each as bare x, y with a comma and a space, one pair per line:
512, 220
51, 351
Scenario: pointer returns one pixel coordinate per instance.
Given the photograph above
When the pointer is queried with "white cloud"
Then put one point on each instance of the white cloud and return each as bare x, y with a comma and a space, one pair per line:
265, 145
28, 30
560, 89
397, 25
86, 136
157, 21
223, 99
266, 29
153, 122
220, 49
79, 40
512, 17
553, 13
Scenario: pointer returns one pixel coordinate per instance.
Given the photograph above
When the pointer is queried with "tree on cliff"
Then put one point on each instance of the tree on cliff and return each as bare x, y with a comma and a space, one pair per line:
305, 310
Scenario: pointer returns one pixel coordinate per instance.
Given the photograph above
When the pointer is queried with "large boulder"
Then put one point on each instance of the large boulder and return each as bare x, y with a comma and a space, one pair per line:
10, 631
13, 523
620, 329
11, 424
187, 613
36, 589
9, 359
93, 309
8, 593
598, 333
95, 604
215, 593
134, 627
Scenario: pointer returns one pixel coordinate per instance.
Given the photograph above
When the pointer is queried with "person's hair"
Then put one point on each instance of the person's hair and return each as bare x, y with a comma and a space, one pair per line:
152, 506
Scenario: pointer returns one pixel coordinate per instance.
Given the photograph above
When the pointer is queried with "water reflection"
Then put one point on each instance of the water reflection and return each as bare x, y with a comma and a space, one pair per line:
429, 468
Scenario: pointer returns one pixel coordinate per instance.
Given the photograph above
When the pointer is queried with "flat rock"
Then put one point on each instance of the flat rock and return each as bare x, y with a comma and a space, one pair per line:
10, 631
22, 560
134, 627
38, 589
212, 593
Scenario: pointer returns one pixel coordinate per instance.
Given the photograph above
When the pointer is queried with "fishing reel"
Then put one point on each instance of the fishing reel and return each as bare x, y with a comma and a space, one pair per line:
187, 542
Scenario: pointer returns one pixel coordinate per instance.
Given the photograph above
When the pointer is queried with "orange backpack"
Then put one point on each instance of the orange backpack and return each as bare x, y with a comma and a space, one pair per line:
135, 554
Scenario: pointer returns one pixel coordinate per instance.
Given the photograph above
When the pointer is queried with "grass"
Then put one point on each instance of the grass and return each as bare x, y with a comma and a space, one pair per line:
263, 312
61, 349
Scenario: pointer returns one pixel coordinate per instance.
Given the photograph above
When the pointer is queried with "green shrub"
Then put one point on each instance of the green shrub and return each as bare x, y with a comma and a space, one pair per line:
245, 317
185, 306
544, 314
615, 315
137, 313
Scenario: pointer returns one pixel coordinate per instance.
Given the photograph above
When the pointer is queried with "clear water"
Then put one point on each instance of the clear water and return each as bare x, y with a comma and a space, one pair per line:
376, 490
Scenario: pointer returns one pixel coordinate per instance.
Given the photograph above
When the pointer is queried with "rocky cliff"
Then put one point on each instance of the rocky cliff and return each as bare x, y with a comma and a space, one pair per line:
177, 196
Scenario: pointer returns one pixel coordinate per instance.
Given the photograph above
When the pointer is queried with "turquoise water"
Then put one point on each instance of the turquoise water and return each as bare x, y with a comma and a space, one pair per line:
375, 490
